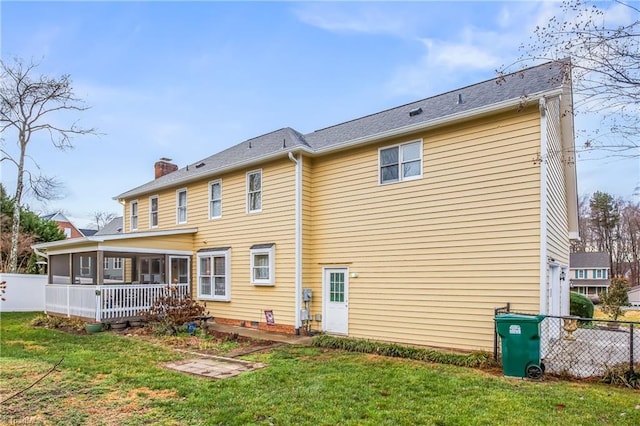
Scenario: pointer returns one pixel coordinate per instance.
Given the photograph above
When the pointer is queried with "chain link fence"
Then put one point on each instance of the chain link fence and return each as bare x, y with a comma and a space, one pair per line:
585, 347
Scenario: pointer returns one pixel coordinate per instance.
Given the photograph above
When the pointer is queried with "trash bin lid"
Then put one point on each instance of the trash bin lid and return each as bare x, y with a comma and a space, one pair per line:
519, 318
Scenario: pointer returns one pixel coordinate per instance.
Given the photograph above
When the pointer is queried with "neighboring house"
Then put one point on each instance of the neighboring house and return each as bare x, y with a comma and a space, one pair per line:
65, 225
113, 227
87, 232
589, 273
634, 296
409, 225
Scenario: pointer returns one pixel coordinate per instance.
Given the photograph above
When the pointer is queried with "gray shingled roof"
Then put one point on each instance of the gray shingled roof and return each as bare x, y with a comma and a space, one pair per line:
519, 85
113, 227
589, 260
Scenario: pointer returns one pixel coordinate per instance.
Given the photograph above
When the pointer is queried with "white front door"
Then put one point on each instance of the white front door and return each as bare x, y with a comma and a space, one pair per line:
336, 300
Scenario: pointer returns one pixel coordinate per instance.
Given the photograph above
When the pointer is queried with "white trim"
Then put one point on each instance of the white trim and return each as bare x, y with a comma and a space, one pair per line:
116, 249
227, 269
213, 182
151, 225
271, 253
400, 162
248, 203
544, 268
186, 203
114, 237
131, 203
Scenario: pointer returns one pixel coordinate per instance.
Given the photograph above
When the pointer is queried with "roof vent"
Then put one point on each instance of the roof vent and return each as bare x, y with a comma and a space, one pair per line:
284, 143
415, 112
199, 165
460, 101
249, 144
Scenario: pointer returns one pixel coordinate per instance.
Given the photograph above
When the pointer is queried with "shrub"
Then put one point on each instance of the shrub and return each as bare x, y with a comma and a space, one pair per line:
615, 298
580, 305
53, 322
474, 360
170, 311
621, 375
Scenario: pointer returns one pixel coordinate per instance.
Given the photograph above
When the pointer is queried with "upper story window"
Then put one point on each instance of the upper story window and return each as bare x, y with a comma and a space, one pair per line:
581, 273
214, 281
215, 199
254, 191
133, 215
263, 264
600, 274
67, 232
181, 206
153, 211
400, 162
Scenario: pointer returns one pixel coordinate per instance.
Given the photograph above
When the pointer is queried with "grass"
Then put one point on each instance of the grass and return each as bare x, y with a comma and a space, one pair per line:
109, 379
629, 315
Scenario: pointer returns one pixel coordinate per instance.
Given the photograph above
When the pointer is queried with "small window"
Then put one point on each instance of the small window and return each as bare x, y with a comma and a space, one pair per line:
214, 275
67, 232
134, 215
215, 199
401, 162
181, 203
117, 263
263, 264
153, 212
254, 191
106, 263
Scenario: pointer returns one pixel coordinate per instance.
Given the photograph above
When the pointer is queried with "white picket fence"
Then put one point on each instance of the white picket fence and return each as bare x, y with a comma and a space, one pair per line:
106, 302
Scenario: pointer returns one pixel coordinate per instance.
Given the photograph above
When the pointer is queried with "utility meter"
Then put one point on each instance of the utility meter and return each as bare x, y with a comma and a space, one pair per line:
306, 294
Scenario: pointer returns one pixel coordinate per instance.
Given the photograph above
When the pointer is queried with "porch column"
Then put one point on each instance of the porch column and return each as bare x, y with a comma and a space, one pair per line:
100, 267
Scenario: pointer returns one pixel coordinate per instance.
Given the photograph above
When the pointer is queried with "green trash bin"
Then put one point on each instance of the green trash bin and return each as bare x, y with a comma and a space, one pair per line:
520, 335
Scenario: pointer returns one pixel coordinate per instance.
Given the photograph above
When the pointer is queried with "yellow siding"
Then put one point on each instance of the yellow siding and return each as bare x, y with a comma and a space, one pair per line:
239, 230
557, 214
434, 256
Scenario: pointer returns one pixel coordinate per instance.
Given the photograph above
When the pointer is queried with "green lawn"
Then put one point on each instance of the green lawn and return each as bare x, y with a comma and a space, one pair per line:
117, 380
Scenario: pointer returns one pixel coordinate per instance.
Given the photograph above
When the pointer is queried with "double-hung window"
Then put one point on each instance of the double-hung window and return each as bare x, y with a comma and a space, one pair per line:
133, 215
254, 191
181, 206
215, 199
263, 264
214, 281
153, 211
400, 162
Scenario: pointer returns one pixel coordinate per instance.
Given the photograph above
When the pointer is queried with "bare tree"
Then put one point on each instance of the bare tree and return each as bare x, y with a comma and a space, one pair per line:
101, 218
33, 104
604, 47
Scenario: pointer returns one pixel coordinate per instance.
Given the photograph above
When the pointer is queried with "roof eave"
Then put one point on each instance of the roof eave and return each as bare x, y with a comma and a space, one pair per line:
111, 237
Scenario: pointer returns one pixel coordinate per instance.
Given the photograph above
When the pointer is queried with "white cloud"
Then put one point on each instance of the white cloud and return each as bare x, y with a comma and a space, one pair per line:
356, 18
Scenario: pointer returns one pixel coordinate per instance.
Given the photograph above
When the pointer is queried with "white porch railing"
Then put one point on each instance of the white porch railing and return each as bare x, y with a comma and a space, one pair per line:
105, 302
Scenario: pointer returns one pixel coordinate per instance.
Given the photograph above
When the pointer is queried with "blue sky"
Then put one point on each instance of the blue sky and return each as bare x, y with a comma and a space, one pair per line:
185, 80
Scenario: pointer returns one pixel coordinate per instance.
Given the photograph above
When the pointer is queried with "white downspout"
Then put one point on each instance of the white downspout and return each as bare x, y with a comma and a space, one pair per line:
544, 285
298, 238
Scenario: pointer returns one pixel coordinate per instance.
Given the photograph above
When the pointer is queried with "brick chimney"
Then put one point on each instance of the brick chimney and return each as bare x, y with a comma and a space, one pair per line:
164, 167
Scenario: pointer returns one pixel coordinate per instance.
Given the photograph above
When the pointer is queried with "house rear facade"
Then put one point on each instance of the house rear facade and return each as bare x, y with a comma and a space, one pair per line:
410, 225
590, 273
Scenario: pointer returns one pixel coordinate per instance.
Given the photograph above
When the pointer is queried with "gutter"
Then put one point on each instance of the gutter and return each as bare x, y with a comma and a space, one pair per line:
544, 282
298, 238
